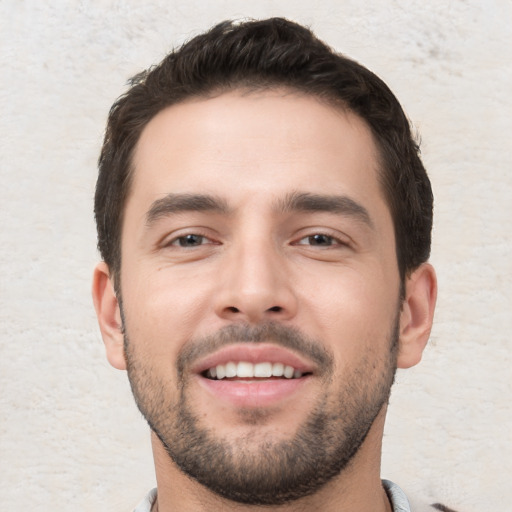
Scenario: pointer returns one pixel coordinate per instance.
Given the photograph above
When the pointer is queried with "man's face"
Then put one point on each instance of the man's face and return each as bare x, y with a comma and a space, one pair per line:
256, 239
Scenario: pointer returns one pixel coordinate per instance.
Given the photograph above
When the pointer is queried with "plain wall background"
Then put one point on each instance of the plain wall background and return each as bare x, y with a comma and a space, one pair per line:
70, 435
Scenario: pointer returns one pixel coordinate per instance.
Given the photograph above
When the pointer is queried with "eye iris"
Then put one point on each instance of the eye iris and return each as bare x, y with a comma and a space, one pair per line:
190, 240
320, 239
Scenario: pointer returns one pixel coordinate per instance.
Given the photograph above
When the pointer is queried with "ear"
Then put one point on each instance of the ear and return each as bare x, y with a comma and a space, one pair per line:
109, 315
417, 315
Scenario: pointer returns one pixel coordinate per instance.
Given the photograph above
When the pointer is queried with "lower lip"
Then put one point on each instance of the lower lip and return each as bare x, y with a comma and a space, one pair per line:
253, 393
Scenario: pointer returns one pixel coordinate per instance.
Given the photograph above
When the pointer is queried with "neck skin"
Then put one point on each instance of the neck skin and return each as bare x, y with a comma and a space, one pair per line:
358, 487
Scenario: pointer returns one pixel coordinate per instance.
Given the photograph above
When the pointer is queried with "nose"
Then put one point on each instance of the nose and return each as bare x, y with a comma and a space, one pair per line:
255, 285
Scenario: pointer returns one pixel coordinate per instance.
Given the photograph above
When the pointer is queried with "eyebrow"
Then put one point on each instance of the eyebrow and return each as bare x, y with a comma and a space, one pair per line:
293, 202
178, 203
342, 205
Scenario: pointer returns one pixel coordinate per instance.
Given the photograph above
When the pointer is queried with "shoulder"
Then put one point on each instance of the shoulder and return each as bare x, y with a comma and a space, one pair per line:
401, 503
146, 504
397, 497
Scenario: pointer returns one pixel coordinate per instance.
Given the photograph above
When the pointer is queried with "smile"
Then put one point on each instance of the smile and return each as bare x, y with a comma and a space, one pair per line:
247, 370
253, 375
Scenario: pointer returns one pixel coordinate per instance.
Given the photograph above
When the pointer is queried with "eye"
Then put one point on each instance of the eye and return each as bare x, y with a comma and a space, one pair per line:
319, 240
190, 240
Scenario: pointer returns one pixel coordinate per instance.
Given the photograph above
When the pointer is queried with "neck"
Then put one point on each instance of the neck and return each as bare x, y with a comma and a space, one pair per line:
357, 487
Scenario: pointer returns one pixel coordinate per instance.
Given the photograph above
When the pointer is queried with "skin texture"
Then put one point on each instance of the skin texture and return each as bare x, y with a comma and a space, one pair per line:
262, 257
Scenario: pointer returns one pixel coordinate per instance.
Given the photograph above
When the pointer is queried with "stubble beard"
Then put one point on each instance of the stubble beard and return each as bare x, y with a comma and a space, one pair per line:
258, 469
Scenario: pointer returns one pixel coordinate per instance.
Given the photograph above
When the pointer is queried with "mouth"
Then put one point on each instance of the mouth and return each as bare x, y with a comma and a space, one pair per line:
254, 375
253, 361
236, 370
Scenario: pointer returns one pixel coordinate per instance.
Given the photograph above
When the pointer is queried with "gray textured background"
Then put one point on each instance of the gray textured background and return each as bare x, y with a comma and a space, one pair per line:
70, 437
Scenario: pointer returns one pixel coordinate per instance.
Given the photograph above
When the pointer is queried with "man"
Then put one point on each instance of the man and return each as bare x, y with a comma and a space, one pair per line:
264, 220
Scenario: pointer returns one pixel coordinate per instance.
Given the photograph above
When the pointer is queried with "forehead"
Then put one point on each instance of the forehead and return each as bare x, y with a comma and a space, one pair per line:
266, 141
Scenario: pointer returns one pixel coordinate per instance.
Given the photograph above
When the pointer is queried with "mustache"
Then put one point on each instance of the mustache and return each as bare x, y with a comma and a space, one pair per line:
285, 336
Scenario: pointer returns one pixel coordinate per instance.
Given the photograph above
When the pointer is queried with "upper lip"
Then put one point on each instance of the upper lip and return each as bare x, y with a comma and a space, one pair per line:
253, 353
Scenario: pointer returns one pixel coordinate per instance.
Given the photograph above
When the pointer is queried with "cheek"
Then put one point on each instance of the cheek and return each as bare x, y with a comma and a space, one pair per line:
162, 310
353, 311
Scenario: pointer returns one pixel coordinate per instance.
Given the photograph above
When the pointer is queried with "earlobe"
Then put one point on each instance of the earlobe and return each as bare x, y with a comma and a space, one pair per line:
109, 315
417, 315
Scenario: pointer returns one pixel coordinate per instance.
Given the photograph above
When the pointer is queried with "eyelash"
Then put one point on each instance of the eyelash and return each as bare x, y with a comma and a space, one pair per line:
333, 241
175, 242
205, 240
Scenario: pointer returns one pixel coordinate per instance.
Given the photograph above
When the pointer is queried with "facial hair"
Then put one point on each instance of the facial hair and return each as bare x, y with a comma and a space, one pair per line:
258, 469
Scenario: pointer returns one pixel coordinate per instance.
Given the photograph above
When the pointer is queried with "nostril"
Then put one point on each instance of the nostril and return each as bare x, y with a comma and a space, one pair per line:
249, 312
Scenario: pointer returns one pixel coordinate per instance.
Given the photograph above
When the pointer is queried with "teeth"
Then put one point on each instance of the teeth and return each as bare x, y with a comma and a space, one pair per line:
263, 370
288, 372
278, 369
231, 370
244, 369
221, 371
